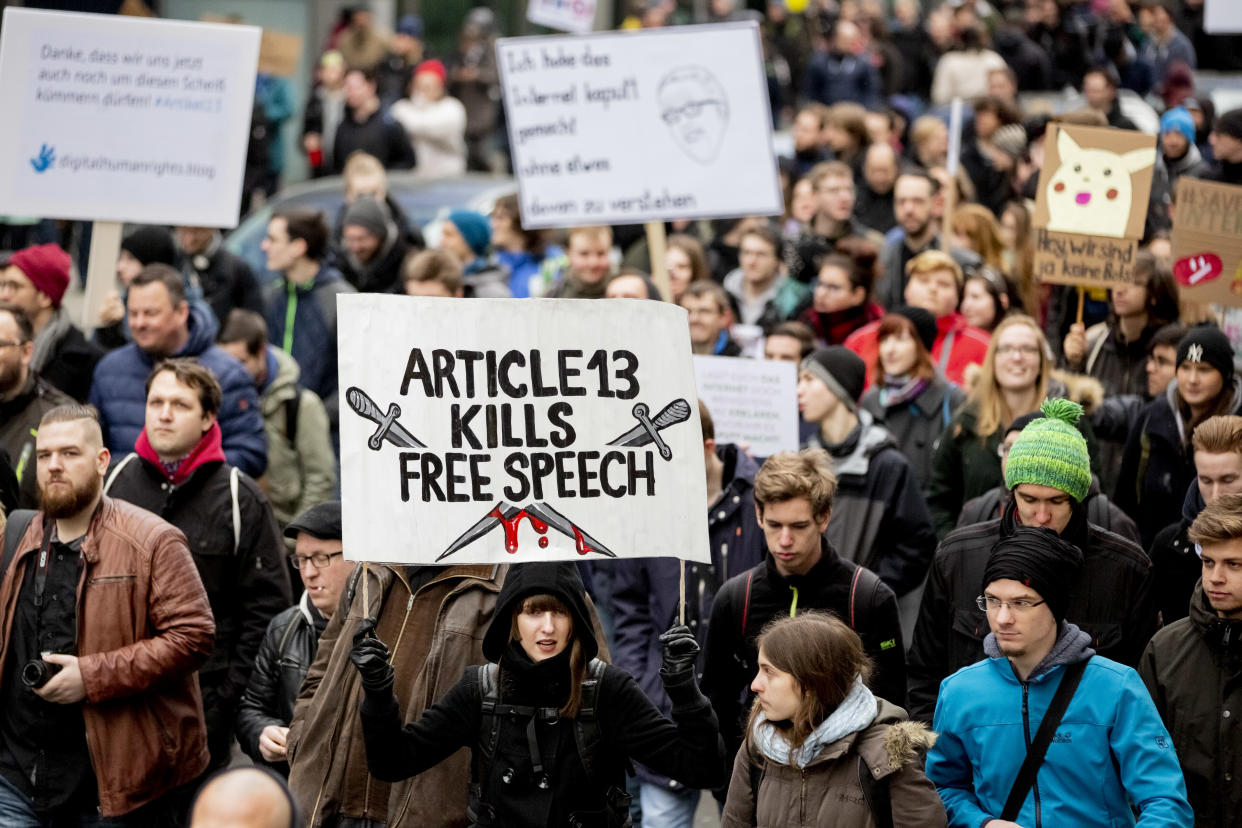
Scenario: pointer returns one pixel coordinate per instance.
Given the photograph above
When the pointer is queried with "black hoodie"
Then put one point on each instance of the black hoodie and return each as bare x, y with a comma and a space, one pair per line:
540, 578
1175, 565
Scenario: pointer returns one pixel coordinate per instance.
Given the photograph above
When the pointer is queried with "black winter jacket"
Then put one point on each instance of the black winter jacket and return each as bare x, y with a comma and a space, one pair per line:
1175, 563
19, 425
1101, 511
749, 601
917, 424
227, 281
1113, 601
1193, 669
71, 365
285, 655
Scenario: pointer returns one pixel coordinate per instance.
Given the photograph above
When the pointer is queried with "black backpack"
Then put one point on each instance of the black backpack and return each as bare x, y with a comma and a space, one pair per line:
586, 736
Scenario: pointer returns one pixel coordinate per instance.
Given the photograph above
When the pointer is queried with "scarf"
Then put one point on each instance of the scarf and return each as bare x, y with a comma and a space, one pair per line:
855, 713
901, 390
535, 683
47, 339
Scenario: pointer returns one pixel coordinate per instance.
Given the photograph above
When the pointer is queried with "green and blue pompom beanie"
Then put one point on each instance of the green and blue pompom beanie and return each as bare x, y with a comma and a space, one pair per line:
1052, 452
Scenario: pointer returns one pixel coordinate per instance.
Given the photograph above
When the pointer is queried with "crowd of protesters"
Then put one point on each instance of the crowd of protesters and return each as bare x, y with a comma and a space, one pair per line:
1000, 584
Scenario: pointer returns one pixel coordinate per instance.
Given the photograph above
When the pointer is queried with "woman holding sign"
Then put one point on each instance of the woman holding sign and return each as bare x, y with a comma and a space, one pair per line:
551, 727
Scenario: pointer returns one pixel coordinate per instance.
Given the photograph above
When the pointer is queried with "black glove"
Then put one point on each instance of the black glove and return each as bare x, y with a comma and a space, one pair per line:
681, 652
370, 656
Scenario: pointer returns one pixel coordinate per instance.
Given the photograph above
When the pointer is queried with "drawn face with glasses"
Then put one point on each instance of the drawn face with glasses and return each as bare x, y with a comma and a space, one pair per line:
324, 570
695, 108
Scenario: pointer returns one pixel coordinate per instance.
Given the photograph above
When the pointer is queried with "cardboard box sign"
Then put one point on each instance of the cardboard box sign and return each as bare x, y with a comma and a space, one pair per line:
1207, 242
279, 53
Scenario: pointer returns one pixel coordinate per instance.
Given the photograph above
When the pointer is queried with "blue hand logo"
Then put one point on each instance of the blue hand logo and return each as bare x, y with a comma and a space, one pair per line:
45, 159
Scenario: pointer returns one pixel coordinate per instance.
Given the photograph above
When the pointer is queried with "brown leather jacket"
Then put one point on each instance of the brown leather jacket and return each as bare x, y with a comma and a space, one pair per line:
143, 620
434, 634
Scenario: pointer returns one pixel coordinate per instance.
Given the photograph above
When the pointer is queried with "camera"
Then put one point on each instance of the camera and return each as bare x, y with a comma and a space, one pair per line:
36, 672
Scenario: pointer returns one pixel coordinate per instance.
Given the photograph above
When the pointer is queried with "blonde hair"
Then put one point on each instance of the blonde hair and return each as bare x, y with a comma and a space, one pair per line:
1220, 522
986, 399
787, 475
359, 165
933, 261
1221, 434
977, 223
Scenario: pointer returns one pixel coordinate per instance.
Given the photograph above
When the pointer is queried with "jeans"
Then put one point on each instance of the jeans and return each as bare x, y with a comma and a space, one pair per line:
17, 811
667, 808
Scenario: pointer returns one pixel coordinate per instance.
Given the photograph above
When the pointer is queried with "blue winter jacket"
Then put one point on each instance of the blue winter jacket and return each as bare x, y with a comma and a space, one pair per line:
985, 716
119, 392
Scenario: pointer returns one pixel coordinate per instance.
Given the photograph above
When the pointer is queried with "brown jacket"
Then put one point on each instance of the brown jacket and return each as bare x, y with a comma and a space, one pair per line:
433, 635
827, 793
143, 621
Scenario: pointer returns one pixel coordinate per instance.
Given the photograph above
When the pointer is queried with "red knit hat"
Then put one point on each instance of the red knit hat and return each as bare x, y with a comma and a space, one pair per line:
434, 67
47, 268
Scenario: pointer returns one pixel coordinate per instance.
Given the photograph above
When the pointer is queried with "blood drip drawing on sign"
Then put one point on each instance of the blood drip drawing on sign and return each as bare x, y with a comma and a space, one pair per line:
541, 517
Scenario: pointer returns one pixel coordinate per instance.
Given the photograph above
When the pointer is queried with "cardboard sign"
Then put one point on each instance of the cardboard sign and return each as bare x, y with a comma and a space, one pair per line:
631, 127
279, 53
1207, 242
123, 118
577, 16
509, 430
1091, 204
753, 402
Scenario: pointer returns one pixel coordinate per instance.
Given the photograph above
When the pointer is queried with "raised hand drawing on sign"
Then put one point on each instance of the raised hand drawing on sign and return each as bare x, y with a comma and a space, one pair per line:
1090, 193
649, 428
695, 108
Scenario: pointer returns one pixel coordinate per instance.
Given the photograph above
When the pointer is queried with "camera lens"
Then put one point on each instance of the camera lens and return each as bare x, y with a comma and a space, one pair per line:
34, 674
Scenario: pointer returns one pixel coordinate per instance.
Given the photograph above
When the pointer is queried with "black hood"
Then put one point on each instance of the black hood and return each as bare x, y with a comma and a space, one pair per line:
1193, 504
540, 578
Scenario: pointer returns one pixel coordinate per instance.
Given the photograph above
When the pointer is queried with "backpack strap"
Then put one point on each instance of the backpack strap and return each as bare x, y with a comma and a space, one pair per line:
233, 473
116, 470
19, 521
854, 591
586, 724
750, 576
876, 792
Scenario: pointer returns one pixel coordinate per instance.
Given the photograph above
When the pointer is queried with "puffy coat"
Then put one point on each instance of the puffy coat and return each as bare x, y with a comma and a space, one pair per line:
749, 601
879, 518
280, 667
19, 426
1109, 751
1175, 563
916, 424
119, 392
1101, 511
312, 339
646, 593
1193, 669
958, 346
300, 472
827, 794
1157, 465
1113, 601
688, 748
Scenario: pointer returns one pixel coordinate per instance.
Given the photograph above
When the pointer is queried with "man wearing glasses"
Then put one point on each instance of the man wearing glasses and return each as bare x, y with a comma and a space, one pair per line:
1044, 731
293, 636
179, 472
1048, 475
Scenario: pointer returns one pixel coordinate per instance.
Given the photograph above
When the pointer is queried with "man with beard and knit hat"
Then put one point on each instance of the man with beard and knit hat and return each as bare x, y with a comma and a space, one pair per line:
372, 247
178, 471
1108, 754
35, 280
466, 236
1048, 474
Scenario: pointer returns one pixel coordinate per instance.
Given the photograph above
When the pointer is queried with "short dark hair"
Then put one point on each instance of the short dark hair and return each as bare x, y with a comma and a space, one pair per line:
246, 327
191, 372
368, 73
767, 234
25, 330
307, 225
922, 175
165, 275
799, 331
1167, 336
1004, 111
698, 290
432, 266
1106, 71
1163, 304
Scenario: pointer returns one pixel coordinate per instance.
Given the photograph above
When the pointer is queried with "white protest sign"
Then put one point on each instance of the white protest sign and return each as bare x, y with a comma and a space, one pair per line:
509, 430
576, 16
753, 402
1222, 17
629, 127
123, 118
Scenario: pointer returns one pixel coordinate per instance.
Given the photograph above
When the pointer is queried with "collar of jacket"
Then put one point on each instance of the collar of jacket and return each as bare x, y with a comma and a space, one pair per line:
1223, 635
489, 576
208, 450
11, 408
90, 548
1076, 531
819, 574
1072, 646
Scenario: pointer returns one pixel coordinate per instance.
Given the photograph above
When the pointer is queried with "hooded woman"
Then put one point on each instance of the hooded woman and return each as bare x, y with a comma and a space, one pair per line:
820, 749
551, 727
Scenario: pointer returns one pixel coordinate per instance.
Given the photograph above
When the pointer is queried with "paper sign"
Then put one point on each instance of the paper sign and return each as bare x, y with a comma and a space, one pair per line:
124, 118
630, 127
1091, 204
577, 16
509, 430
753, 402
279, 53
1222, 17
1207, 242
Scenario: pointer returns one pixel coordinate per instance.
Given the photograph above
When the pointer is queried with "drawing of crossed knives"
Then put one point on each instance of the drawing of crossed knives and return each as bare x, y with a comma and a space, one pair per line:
389, 429
649, 428
540, 511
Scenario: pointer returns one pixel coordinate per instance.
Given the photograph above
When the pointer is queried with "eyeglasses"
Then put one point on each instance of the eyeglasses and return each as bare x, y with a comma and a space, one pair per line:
986, 603
319, 560
4, 344
1022, 350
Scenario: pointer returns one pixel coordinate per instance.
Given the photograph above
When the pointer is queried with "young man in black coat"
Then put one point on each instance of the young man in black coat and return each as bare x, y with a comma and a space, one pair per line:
179, 472
793, 503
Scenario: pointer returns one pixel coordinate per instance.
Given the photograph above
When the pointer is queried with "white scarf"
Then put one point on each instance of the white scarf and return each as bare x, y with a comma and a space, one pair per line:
856, 712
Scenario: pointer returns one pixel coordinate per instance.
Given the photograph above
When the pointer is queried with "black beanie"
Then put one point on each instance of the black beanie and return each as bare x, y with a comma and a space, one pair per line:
842, 370
924, 323
1229, 123
1022, 422
150, 244
1207, 343
1038, 558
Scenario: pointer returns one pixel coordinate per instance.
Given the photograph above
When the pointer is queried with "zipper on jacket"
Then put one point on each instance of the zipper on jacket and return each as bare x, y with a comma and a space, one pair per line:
802, 801
1026, 735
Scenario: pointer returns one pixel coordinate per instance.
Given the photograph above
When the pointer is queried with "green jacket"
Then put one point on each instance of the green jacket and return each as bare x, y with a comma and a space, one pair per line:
300, 472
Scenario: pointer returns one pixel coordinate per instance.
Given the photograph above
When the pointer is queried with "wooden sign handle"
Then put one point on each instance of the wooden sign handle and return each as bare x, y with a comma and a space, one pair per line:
657, 244
681, 613
100, 270
1082, 300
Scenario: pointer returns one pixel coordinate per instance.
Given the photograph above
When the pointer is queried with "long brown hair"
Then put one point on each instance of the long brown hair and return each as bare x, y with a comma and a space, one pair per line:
895, 323
986, 398
577, 664
824, 656
976, 222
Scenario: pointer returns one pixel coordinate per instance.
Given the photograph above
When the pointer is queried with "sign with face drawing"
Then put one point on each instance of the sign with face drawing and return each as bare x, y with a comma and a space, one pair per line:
509, 430
1091, 204
628, 127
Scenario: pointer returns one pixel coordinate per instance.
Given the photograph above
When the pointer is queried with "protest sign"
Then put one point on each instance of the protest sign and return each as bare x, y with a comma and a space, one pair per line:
124, 119
630, 127
279, 53
1222, 17
577, 16
753, 402
1091, 204
509, 430
1207, 242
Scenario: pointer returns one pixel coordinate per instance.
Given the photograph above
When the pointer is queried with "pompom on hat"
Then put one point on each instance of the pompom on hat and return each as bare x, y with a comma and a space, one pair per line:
1052, 452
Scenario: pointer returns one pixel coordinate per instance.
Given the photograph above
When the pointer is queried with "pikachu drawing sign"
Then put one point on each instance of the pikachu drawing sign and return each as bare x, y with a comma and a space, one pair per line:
1091, 193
